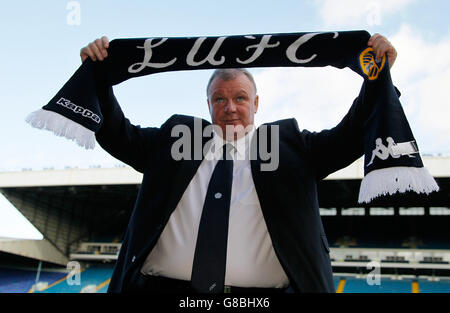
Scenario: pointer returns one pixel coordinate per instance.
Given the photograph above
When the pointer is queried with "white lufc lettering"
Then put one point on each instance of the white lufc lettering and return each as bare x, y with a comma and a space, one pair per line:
210, 58
291, 51
259, 48
148, 52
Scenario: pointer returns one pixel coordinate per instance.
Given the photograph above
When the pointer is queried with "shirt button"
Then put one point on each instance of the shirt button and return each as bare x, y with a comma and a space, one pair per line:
218, 195
133, 259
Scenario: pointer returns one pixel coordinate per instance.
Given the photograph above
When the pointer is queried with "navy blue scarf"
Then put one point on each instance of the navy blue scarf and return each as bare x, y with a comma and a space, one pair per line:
392, 160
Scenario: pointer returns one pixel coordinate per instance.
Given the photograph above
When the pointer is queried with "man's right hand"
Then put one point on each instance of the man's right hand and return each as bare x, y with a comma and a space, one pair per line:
96, 50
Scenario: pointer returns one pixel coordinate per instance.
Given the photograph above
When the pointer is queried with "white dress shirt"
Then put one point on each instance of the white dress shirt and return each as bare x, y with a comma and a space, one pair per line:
251, 259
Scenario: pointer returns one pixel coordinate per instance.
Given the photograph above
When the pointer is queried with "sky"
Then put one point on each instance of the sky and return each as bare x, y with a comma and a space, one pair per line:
41, 42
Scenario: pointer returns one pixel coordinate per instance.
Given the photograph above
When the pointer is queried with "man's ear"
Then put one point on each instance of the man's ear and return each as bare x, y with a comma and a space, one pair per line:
255, 103
209, 106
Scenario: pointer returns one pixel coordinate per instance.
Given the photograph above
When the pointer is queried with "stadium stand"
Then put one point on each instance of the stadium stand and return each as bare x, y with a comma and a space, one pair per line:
83, 214
18, 274
336, 282
92, 279
349, 284
360, 285
426, 286
21, 281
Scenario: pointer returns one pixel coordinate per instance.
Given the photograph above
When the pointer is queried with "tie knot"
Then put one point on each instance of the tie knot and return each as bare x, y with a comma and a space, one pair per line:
228, 149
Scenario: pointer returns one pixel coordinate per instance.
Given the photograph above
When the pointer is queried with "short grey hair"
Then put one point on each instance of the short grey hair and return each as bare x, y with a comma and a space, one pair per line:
229, 74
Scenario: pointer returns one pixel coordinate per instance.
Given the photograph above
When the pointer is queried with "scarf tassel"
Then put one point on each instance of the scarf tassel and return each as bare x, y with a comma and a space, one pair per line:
388, 181
62, 126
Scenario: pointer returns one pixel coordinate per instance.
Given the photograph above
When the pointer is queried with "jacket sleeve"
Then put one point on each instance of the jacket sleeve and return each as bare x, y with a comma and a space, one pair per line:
333, 149
129, 143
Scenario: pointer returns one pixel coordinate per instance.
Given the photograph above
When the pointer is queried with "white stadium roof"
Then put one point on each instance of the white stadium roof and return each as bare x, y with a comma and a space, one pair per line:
438, 167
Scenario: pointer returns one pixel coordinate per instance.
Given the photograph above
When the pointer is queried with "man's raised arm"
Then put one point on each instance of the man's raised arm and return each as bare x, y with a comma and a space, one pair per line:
131, 144
336, 148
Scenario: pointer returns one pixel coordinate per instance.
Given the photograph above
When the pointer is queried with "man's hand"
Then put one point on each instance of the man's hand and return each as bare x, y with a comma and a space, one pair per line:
96, 50
381, 46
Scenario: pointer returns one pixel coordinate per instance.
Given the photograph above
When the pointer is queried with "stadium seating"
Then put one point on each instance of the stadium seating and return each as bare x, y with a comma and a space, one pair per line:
95, 275
388, 241
360, 285
387, 285
96, 279
442, 286
336, 281
21, 281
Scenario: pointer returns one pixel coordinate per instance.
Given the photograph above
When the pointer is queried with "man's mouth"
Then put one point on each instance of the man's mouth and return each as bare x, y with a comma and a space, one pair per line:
231, 120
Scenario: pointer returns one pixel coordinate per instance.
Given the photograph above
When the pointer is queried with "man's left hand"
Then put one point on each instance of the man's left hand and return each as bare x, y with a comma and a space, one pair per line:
381, 46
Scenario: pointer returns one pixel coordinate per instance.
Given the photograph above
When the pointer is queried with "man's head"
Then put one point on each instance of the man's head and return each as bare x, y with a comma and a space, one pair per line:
232, 99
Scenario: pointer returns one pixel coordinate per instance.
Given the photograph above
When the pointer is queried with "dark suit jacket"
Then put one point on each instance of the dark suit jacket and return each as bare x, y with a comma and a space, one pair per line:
288, 196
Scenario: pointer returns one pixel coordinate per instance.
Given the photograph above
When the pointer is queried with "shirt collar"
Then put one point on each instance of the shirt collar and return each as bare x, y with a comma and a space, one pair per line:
241, 145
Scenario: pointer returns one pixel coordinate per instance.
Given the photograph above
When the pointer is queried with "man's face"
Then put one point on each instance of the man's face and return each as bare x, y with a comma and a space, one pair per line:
232, 102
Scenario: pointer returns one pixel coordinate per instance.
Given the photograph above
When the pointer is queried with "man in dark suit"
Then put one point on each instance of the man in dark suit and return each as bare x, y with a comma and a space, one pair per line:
223, 222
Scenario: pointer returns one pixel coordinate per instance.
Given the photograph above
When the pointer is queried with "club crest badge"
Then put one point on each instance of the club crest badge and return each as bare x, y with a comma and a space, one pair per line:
369, 64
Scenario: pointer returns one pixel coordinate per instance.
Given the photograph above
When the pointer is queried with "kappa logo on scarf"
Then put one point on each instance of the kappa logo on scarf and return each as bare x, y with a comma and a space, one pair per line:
369, 65
393, 149
78, 109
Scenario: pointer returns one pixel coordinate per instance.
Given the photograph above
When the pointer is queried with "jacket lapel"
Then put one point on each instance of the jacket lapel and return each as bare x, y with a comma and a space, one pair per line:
186, 171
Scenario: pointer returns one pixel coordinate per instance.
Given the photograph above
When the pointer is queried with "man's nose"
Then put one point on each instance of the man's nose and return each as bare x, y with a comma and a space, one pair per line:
230, 107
